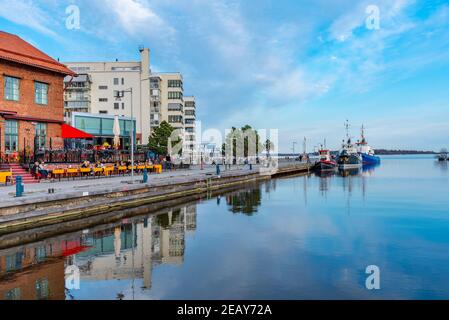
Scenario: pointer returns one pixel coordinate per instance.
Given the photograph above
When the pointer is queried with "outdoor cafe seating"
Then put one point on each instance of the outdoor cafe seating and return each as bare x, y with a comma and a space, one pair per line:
60, 172
5, 177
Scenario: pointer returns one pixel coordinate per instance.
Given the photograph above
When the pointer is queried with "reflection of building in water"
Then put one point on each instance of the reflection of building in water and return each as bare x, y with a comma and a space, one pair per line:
35, 271
127, 251
191, 218
270, 185
246, 202
130, 251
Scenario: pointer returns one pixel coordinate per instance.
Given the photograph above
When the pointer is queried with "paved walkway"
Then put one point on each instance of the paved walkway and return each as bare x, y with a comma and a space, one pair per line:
38, 192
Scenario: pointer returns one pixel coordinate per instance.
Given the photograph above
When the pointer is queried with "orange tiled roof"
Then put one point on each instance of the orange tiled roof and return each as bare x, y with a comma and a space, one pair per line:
15, 49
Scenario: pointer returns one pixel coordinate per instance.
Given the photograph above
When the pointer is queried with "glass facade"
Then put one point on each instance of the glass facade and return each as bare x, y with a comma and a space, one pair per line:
102, 127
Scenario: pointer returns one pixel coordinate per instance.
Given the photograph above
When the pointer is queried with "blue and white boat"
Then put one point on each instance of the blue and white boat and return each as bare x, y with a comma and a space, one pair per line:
367, 153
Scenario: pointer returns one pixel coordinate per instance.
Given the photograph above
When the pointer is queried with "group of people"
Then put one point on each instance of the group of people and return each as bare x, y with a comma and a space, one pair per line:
41, 169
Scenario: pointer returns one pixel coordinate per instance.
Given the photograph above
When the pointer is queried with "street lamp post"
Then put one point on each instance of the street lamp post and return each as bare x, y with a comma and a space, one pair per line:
121, 94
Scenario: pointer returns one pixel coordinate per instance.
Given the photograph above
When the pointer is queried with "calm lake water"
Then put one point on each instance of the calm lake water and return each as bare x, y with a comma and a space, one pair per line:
290, 238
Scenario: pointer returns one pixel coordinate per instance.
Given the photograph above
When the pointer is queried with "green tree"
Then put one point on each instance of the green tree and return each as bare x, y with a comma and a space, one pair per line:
158, 141
269, 146
245, 140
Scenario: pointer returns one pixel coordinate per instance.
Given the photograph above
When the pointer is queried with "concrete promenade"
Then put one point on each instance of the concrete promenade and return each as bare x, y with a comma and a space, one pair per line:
82, 198
39, 192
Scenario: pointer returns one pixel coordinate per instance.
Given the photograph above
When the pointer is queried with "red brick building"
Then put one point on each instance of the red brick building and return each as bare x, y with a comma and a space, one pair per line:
31, 98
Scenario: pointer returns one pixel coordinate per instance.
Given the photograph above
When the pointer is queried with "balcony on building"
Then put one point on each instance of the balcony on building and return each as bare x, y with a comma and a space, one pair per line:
175, 107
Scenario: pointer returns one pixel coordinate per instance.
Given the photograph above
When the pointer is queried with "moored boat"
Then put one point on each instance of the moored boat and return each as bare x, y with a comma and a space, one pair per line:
325, 162
443, 155
367, 153
349, 158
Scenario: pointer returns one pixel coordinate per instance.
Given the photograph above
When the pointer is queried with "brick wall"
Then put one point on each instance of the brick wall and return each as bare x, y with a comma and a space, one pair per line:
26, 105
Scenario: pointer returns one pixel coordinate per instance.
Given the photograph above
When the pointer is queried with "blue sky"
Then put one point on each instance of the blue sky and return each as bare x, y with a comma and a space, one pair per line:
302, 67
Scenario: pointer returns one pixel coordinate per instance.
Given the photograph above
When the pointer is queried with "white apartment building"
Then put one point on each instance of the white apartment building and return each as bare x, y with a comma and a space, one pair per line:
190, 121
155, 97
108, 78
76, 95
167, 90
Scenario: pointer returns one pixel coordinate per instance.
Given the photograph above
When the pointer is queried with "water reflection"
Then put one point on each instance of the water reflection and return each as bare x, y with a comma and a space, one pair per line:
31, 273
126, 251
245, 202
308, 237
443, 165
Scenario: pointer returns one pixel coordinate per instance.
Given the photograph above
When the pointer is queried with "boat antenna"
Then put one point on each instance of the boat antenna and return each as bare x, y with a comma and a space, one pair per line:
363, 134
304, 146
347, 128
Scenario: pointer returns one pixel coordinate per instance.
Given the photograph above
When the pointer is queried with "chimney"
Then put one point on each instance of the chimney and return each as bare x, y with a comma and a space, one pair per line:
145, 62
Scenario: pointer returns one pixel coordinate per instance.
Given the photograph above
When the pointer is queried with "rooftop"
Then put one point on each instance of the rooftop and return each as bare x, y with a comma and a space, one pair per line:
15, 49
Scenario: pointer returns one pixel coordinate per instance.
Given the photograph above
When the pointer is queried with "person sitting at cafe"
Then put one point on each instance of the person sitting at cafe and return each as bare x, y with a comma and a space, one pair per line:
42, 170
99, 165
86, 164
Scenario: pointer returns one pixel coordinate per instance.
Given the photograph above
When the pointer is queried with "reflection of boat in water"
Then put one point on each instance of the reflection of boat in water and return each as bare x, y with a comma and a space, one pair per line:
324, 174
349, 158
370, 167
349, 172
367, 153
443, 165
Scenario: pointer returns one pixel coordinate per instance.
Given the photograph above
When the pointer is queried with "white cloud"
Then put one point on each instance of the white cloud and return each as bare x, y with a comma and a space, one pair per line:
27, 13
136, 17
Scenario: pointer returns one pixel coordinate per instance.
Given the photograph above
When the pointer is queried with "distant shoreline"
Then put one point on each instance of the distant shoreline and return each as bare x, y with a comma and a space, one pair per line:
385, 152
380, 152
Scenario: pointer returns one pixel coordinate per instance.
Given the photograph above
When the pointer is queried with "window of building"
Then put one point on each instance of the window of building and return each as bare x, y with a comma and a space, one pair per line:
12, 88
123, 106
175, 119
40, 253
103, 99
11, 136
174, 95
116, 81
116, 105
13, 294
190, 121
103, 87
41, 93
190, 130
174, 83
41, 135
174, 107
14, 261
42, 289
123, 81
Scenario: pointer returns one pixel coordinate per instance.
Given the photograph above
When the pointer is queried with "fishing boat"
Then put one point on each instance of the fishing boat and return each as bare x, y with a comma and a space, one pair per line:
443, 155
325, 162
349, 158
367, 153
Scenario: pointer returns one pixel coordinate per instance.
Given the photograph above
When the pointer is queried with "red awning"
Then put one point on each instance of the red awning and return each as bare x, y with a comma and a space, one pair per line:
69, 132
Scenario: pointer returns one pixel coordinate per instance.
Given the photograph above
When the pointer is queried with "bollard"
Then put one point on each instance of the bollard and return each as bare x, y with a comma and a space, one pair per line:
145, 176
218, 169
19, 186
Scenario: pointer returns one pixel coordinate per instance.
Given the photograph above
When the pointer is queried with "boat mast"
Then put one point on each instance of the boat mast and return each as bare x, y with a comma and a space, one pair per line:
348, 139
363, 135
